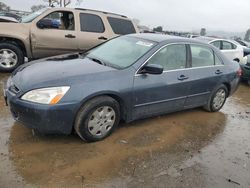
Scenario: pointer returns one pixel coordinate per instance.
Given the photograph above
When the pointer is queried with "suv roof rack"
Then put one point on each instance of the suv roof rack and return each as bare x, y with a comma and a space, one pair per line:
102, 12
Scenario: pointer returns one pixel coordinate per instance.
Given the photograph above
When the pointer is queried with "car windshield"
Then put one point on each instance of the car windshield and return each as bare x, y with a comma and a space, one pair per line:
121, 52
32, 16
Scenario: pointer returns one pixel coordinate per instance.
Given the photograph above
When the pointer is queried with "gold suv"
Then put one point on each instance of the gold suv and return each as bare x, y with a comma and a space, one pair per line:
55, 31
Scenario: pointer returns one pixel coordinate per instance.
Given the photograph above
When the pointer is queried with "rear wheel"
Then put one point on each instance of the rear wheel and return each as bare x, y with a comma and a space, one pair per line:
11, 57
97, 119
217, 99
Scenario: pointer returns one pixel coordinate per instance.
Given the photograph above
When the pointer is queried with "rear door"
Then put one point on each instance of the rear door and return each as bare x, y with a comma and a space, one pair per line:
93, 30
58, 36
167, 92
231, 51
206, 73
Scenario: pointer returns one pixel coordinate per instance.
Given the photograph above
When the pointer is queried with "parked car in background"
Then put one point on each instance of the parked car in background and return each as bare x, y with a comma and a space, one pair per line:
129, 77
244, 43
245, 72
11, 15
54, 31
192, 36
231, 49
8, 19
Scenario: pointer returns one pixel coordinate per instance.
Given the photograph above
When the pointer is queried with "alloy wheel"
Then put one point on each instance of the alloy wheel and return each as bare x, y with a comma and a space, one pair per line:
8, 58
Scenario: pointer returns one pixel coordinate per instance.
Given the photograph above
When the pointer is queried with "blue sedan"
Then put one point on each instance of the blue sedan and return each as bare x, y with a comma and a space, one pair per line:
127, 78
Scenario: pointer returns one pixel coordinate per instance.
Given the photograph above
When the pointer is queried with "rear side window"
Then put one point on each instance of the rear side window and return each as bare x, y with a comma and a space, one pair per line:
202, 56
228, 45
121, 26
91, 23
171, 57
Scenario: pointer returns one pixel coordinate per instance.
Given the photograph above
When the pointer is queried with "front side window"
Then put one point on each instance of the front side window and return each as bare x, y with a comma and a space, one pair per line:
121, 52
32, 16
171, 57
202, 56
61, 20
91, 23
121, 26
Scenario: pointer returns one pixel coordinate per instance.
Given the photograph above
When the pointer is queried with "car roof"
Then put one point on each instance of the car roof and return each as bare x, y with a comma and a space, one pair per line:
165, 38
99, 11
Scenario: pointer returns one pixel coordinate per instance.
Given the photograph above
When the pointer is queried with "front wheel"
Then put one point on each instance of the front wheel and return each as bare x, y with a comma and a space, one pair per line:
97, 118
217, 99
11, 57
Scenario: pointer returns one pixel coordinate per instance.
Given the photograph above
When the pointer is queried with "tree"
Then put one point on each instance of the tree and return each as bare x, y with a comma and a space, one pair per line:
158, 29
4, 7
61, 3
35, 8
203, 32
247, 35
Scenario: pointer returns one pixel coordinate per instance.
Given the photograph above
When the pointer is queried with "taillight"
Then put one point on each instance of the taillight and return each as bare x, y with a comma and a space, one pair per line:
239, 72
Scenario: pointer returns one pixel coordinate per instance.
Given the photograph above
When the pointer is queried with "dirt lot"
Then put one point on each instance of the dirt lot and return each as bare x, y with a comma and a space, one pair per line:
186, 149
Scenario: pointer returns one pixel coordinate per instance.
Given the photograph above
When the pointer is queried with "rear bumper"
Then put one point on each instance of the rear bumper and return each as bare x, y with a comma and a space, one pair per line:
56, 119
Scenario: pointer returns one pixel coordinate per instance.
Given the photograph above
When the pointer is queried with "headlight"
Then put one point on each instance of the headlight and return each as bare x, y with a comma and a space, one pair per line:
51, 95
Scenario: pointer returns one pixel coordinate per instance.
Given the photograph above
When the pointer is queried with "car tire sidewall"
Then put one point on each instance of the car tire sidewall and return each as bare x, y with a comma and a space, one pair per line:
17, 51
81, 123
212, 108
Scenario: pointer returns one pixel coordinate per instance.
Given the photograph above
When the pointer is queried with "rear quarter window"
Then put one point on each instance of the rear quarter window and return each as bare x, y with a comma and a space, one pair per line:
202, 56
121, 26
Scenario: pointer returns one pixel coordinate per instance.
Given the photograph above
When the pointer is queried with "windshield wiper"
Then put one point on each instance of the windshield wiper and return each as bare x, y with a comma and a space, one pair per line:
97, 61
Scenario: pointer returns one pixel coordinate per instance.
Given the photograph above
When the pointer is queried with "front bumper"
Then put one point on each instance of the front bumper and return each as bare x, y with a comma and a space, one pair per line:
56, 119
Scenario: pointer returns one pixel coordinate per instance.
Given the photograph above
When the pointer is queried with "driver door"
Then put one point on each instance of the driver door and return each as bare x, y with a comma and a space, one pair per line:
54, 34
167, 92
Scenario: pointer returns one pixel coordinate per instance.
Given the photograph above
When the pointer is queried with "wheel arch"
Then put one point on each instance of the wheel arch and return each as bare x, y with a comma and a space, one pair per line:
228, 86
16, 42
114, 95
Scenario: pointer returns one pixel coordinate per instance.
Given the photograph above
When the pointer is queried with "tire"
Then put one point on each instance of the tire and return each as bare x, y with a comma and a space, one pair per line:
11, 56
217, 99
97, 119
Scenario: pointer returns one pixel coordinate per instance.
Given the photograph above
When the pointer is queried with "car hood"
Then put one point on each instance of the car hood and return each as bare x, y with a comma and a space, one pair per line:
57, 71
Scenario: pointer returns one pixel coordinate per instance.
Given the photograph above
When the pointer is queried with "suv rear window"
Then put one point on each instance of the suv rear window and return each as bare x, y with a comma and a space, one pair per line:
91, 23
121, 26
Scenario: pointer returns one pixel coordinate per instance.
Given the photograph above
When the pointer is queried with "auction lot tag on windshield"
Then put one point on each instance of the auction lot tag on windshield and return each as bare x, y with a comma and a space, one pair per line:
142, 43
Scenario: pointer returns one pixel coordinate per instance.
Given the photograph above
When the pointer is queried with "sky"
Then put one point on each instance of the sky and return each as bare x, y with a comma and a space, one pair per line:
177, 15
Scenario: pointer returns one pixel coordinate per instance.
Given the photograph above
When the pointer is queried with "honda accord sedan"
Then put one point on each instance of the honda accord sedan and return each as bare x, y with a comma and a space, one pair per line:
127, 78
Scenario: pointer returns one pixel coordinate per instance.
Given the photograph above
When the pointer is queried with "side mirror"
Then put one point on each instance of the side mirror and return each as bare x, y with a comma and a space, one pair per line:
151, 69
45, 23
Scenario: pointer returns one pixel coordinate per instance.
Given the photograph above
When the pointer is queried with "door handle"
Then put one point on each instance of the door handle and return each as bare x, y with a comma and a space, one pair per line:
102, 38
70, 36
218, 72
183, 77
